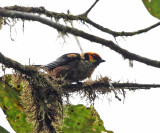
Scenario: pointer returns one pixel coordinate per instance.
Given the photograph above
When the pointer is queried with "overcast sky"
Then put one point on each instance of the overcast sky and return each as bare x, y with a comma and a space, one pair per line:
140, 111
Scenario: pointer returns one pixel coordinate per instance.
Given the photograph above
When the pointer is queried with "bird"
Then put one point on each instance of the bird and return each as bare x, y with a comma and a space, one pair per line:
74, 67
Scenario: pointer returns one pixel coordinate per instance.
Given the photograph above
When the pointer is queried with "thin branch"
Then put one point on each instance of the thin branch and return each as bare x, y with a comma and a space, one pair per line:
116, 34
82, 17
65, 29
103, 87
86, 13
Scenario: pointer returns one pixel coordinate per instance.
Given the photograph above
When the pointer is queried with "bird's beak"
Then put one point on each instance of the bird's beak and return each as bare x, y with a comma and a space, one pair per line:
102, 60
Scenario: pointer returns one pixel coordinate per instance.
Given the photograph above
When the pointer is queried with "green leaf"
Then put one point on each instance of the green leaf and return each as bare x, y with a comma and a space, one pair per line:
79, 119
10, 104
153, 6
2, 130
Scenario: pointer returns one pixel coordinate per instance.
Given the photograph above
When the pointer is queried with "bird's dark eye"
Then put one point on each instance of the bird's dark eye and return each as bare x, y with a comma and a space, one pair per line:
96, 57
86, 56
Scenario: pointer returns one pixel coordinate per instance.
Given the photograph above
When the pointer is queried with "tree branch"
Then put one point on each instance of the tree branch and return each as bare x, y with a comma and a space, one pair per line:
82, 17
123, 33
86, 13
17, 66
101, 85
40, 87
74, 31
105, 87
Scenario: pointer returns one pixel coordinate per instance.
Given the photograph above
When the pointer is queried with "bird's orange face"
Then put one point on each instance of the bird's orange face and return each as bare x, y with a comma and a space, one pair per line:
93, 57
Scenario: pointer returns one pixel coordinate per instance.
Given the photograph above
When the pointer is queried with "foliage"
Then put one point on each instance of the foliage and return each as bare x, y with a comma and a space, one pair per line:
2, 130
153, 6
80, 119
10, 104
76, 117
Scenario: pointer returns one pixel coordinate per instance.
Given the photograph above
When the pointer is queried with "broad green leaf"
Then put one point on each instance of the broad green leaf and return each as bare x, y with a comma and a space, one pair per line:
10, 104
79, 119
153, 6
2, 130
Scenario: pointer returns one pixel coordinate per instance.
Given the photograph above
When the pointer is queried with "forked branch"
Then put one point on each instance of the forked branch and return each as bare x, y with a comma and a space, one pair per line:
86, 13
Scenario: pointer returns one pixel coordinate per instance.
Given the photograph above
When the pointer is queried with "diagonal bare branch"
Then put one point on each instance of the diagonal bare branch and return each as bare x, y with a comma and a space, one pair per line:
86, 13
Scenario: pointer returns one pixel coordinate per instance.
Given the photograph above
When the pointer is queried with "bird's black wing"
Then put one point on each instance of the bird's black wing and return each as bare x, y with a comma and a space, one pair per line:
64, 59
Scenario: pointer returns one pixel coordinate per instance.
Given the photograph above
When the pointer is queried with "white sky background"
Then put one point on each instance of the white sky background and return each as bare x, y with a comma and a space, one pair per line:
140, 111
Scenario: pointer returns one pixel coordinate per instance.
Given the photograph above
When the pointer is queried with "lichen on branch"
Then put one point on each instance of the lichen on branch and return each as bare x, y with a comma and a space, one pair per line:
82, 17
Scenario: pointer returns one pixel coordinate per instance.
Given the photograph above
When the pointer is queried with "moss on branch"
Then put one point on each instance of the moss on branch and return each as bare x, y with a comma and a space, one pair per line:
82, 17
